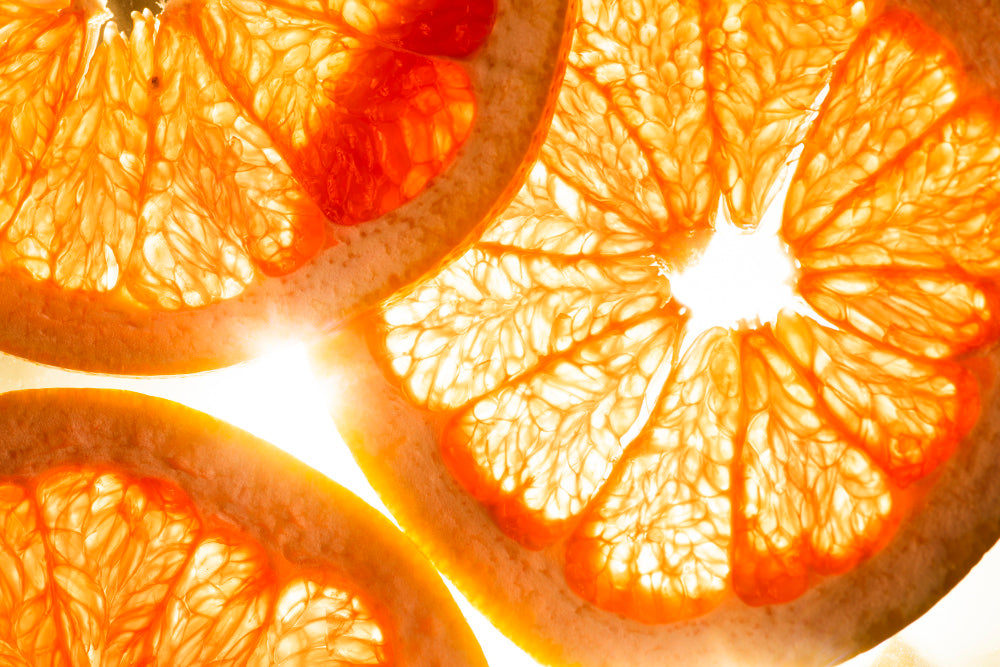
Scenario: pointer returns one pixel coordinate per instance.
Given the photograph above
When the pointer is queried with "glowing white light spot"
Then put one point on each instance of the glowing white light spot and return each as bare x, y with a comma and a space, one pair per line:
743, 279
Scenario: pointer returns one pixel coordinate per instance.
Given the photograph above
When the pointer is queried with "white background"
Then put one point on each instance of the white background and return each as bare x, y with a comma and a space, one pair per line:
277, 399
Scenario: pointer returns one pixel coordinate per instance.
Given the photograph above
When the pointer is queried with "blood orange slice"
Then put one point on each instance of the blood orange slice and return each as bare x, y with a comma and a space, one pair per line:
787, 489
136, 531
233, 172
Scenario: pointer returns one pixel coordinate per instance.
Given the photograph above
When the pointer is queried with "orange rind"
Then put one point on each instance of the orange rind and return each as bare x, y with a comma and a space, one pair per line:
135, 530
786, 491
234, 173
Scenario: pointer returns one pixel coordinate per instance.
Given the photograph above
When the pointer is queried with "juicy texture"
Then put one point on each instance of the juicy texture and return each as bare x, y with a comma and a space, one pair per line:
539, 472
101, 568
765, 458
767, 64
908, 413
619, 86
896, 81
364, 128
809, 499
215, 143
934, 206
657, 540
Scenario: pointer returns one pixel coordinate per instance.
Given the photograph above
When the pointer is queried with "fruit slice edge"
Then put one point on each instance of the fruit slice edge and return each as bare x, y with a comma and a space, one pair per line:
515, 76
885, 593
304, 520
525, 593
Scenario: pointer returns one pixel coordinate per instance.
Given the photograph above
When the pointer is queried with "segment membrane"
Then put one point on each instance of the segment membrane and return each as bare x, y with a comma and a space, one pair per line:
935, 315
77, 224
97, 568
493, 314
654, 544
806, 499
363, 128
896, 81
535, 452
39, 66
936, 208
216, 610
909, 415
767, 64
319, 625
176, 172
552, 217
631, 127
770, 457
206, 156
110, 586
29, 636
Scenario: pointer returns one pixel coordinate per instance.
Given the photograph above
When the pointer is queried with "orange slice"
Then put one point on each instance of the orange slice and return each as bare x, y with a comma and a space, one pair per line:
235, 172
136, 531
789, 490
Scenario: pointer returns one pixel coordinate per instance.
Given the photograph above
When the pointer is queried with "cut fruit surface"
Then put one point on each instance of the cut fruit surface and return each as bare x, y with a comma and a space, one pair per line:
233, 172
756, 495
134, 530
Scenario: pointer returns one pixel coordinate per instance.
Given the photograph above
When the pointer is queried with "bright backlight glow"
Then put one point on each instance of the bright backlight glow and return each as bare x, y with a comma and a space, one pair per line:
277, 398
743, 278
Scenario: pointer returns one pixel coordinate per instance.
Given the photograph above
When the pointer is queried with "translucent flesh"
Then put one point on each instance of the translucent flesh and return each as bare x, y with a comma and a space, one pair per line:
179, 164
656, 541
805, 499
456, 338
42, 55
109, 584
766, 458
633, 99
206, 155
29, 634
363, 128
537, 451
932, 208
77, 223
97, 568
897, 80
908, 414
767, 64
926, 314
432, 27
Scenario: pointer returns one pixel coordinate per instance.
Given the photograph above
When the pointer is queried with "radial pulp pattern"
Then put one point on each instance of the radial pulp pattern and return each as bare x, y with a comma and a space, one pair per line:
112, 551
126, 571
230, 150
215, 140
666, 479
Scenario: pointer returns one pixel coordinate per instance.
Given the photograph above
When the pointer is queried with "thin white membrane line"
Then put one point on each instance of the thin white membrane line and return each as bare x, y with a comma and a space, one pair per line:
732, 253
654, 392
744, 279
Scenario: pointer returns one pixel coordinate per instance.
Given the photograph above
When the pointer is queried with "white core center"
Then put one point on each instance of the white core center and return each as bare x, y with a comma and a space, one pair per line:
743, 278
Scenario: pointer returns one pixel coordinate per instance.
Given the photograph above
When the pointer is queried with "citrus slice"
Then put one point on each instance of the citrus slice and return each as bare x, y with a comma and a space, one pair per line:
787, 489
233, 172
136, 531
